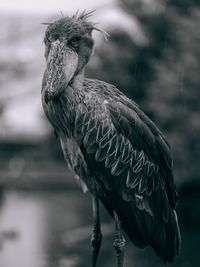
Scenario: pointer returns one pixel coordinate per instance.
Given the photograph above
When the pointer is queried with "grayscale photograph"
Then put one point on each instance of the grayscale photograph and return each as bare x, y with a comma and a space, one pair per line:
99, 133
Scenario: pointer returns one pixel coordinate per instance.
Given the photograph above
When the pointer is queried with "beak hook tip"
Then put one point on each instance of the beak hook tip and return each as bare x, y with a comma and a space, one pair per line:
47, 97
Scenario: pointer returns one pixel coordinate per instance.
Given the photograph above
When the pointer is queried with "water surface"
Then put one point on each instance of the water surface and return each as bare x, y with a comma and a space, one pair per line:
52, 229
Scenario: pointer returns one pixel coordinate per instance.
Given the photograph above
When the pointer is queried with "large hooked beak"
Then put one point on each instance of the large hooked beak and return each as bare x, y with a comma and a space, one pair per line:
61, 66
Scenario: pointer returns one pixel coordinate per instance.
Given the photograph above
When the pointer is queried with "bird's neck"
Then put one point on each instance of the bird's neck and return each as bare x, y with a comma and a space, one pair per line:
78, 80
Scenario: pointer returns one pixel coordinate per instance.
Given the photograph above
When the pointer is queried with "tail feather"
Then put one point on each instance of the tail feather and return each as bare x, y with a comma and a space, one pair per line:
167, 240
144, 230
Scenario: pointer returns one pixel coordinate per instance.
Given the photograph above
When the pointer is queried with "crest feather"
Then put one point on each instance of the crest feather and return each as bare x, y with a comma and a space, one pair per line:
105, 34
84, 15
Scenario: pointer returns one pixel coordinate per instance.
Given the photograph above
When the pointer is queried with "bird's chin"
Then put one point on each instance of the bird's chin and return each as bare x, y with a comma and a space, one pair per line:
49, 95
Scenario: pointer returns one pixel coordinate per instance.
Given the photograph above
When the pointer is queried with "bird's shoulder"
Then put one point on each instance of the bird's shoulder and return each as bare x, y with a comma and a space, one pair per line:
104, 90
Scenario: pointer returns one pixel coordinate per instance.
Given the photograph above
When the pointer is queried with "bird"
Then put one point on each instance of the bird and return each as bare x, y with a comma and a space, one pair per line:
113, 148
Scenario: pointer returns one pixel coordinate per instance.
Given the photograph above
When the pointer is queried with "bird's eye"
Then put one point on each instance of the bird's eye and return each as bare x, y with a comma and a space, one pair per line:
74, 43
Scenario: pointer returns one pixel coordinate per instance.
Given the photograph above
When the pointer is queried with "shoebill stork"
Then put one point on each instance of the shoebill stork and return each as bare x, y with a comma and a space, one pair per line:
115, 150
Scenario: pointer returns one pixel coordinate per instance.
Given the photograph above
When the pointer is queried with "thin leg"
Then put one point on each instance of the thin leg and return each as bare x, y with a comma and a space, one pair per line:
119, 242
96, 233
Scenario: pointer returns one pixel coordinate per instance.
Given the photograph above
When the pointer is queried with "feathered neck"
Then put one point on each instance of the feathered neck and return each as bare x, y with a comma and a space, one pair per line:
77, 82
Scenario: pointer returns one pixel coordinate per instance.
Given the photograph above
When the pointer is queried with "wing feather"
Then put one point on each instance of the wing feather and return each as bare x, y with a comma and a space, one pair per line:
112, 145
131, 161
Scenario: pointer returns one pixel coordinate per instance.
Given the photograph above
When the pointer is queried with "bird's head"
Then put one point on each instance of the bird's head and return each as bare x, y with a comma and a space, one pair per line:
68, 46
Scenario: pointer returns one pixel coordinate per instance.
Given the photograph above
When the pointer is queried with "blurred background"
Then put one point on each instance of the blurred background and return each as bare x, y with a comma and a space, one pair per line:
153, 56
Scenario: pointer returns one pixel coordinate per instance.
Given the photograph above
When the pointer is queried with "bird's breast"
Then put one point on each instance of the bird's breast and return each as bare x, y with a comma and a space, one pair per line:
60, 114
76, 162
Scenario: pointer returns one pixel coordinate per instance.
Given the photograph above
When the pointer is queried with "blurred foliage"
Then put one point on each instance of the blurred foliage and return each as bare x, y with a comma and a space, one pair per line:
162, 75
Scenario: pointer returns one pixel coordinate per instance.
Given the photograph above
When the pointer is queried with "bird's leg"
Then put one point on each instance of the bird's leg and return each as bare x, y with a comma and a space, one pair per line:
119, 242
96, 233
